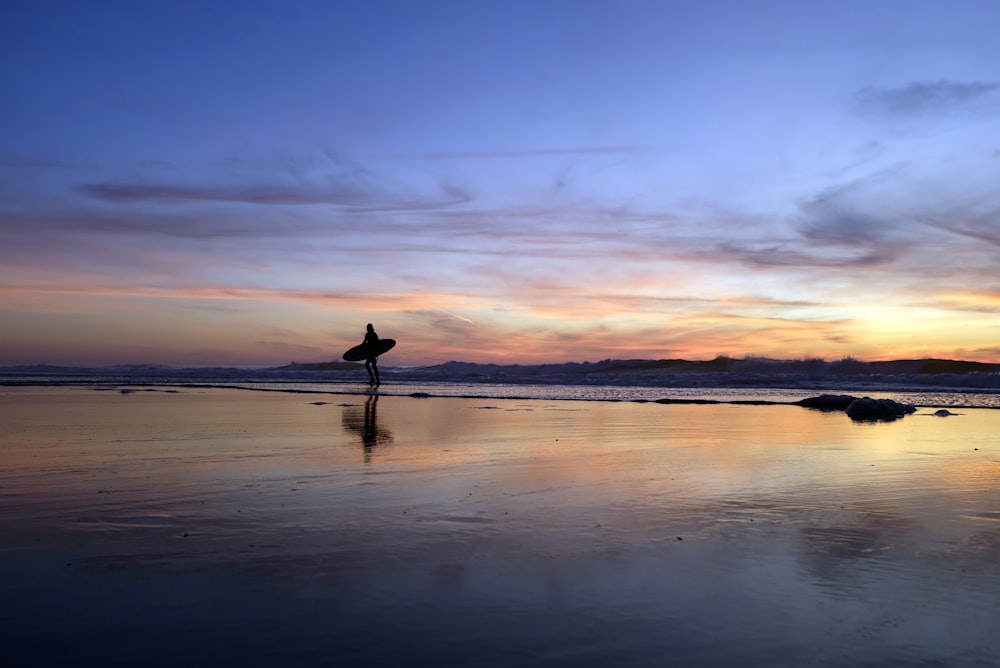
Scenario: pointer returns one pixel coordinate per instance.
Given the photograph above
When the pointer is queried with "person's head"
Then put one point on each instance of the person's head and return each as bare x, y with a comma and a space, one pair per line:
370, 328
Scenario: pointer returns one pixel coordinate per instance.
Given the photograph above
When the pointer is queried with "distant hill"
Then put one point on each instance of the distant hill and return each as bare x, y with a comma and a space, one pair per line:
933, 365
727, 371
722, 364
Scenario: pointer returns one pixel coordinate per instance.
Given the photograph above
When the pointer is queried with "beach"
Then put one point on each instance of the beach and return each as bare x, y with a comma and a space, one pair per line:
208, 526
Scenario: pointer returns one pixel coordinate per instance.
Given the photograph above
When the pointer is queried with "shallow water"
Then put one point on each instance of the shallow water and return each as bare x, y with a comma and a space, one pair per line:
557, 392
215, 526
923, 390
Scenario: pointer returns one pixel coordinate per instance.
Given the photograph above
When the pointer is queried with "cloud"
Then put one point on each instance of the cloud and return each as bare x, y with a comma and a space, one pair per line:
290, 350
526, 153
272, 194
786, 254
854, 224
983, 229
261, 194
839, 215
921, 97
291, 177
971, 302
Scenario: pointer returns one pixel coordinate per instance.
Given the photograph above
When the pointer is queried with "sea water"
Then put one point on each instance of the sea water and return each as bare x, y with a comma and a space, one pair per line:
937, 398
973, 390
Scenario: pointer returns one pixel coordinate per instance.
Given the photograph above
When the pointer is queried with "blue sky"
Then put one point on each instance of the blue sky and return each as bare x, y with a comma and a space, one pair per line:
252, 182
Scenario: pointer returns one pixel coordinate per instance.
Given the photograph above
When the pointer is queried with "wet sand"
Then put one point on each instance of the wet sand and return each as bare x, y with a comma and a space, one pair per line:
226, 527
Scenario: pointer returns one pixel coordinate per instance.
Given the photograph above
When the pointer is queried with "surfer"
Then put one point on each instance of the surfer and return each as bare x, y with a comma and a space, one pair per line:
371, 362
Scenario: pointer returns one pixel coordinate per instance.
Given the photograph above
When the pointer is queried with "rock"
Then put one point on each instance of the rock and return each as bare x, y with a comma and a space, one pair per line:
828, 402
943, 412
867, 409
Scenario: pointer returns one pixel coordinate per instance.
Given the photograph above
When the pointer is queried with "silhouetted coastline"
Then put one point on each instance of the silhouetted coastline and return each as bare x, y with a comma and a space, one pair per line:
929, 374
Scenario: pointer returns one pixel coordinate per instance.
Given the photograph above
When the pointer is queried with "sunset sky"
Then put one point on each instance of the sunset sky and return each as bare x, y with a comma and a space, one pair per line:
521, 181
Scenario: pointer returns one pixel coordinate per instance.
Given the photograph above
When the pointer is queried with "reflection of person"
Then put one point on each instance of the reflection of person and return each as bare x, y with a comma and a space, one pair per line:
365, 423
370, 433
371, 347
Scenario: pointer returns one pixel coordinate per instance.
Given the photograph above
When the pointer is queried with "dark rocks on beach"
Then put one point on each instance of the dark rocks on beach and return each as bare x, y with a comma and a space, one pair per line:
864, 409
943, 412
867, 409
828, 402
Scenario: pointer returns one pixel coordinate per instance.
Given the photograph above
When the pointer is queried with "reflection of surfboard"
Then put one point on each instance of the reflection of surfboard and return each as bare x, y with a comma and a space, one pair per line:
359, 352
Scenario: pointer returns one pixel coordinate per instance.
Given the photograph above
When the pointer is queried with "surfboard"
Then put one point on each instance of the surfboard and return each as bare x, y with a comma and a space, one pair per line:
359, 353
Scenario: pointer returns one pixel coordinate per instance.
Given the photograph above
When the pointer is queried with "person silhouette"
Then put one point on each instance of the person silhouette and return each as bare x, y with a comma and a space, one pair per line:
371, 362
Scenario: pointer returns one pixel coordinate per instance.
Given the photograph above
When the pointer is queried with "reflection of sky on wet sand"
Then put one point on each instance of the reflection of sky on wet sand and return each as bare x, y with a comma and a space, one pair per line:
490, 532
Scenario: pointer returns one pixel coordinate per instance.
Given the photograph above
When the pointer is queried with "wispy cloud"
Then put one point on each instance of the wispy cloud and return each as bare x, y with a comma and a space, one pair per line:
981, 228
921, 97
842, 214
291, 351
523, 153
280, 177
272, 194
982, 301
786, 255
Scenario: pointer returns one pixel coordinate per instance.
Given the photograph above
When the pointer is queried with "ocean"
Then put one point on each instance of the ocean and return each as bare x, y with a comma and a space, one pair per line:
556, 382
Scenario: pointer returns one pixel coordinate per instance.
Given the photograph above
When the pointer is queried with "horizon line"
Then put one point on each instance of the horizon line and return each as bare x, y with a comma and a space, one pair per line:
745, 358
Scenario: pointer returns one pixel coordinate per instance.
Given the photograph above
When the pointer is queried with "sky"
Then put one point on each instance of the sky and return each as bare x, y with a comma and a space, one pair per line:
252, 182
